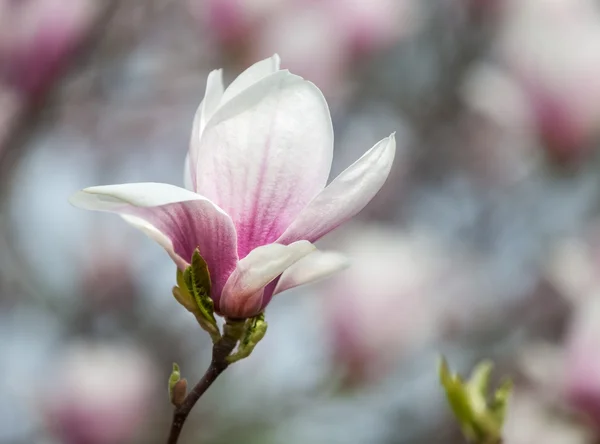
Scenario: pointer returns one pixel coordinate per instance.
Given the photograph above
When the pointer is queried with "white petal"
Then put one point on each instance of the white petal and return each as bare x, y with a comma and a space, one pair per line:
212, 97
208, 106
265, 155
188, 182
252, 75
178, 219
115, 197
312, 268
242, 294
345, 196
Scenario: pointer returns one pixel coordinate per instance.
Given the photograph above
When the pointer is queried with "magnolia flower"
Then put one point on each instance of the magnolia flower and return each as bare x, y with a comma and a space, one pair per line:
256, 200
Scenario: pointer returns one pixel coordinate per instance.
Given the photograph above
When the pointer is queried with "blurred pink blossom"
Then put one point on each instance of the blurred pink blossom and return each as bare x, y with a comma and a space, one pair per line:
567, 377
539, 409
37, 37
370, 26
101, 394
318, 38
530, 421
553, 49
386, 305
582, 378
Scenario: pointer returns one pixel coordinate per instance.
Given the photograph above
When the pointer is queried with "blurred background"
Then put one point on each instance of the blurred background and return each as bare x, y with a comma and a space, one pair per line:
484, 242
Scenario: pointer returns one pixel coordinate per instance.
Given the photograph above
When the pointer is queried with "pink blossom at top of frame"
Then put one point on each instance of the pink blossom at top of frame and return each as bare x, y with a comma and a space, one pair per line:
37, 37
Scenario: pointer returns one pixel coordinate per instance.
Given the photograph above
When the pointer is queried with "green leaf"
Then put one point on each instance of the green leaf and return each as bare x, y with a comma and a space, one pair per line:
199, 278
183, 295
255, 330
480, 420
194, 294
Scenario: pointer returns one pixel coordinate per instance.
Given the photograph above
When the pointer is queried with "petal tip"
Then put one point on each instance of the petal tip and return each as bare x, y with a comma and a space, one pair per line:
75, 198
303, 246
276, 61
81, 199
390, 147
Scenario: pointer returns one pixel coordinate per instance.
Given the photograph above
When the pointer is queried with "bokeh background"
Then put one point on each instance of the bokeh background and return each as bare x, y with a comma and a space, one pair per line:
484, 242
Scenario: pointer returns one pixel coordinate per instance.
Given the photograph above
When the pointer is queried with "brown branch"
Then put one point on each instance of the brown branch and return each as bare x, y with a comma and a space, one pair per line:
221, 350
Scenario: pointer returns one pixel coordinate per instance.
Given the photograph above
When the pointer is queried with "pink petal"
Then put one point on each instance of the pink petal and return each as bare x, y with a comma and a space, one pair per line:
243, 293
178, 219
345, 196
265, 154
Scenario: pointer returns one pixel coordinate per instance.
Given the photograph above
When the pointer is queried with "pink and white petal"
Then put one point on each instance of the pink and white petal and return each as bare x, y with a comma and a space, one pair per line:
343, 198
312, 268
243, 293
252, 75
275, 145
178, 219
208, 106
144, 194
156, 235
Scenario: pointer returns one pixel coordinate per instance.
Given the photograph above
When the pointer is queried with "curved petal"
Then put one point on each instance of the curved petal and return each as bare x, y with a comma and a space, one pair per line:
252, 75
343, 198
242, 295
312, 268
178, 219
265, 155
212, 98
188, 181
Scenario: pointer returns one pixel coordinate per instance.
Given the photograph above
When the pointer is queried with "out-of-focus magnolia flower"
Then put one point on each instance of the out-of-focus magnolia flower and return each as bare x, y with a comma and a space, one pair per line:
573, 268
321, 54
259, 159
582, 360
231, 21
371, 26
504, 145
553, 48
317, 39
37, 37
529, 420
387, 305
100, 395
566, 379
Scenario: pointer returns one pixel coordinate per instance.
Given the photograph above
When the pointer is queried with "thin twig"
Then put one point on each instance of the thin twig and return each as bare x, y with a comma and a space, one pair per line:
218, 364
